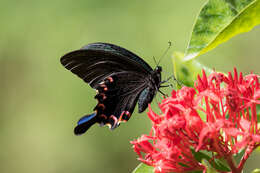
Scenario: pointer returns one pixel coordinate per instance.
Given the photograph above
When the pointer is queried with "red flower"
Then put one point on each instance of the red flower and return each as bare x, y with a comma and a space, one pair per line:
218, 116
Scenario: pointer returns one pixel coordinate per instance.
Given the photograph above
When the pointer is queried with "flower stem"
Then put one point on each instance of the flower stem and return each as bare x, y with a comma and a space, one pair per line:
232, 164
248, 151
229, 158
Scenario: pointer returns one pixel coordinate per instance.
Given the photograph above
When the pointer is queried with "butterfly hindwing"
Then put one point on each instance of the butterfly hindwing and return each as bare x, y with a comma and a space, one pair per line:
117, 97
85, 123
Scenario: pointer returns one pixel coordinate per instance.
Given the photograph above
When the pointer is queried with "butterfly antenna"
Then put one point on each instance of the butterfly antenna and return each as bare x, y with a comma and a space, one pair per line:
155, 61
165, 52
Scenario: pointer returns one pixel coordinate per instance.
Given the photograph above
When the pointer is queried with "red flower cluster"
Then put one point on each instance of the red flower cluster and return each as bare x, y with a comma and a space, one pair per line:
219, 116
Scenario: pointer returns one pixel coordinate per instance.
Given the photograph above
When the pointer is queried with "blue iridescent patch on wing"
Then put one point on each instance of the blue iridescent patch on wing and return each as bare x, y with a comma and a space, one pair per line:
86, 118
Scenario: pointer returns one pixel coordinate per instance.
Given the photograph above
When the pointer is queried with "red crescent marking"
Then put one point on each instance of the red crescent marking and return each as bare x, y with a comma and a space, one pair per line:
110, 79
120, 118
101, 105
115, 120
103, 116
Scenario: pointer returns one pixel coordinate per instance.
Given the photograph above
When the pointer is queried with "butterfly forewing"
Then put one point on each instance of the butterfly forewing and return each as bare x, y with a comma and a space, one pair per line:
93, 64
113, 49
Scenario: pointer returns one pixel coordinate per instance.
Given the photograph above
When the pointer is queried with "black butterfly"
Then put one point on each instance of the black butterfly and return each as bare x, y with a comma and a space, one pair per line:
120, 78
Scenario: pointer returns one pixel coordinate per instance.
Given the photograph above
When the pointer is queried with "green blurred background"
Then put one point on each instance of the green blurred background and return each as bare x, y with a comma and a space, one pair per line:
41, 101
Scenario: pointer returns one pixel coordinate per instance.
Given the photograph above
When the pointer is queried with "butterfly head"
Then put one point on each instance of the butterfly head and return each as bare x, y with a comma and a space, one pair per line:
158, 69
156, 76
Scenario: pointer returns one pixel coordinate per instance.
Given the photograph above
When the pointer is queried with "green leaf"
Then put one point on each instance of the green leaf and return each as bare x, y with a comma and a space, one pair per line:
220, 20
187, 71
256, 171
143, 168
258, 148
258, 112
219, 164
210, 169
239, 156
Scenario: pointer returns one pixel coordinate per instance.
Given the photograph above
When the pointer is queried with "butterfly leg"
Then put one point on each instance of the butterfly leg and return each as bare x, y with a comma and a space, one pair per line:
165, 95
163, 86
172, 77
169, 78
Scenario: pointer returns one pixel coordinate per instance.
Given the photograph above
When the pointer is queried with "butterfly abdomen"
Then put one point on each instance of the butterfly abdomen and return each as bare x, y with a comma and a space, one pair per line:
145, 98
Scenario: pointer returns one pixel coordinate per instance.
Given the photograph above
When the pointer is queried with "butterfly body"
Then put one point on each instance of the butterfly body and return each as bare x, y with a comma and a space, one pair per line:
147, 95
121, 79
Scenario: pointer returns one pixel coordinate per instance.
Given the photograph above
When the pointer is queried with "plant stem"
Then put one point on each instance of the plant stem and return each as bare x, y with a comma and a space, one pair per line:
248, 151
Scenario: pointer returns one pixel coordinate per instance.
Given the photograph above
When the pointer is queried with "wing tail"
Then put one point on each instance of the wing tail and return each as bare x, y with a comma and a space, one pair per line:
85, 123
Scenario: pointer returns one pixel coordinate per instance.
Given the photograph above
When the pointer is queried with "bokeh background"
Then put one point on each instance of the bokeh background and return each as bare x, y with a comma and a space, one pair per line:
41, 101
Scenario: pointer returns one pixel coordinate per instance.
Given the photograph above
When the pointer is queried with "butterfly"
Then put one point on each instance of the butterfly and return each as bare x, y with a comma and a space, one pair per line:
121, 79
